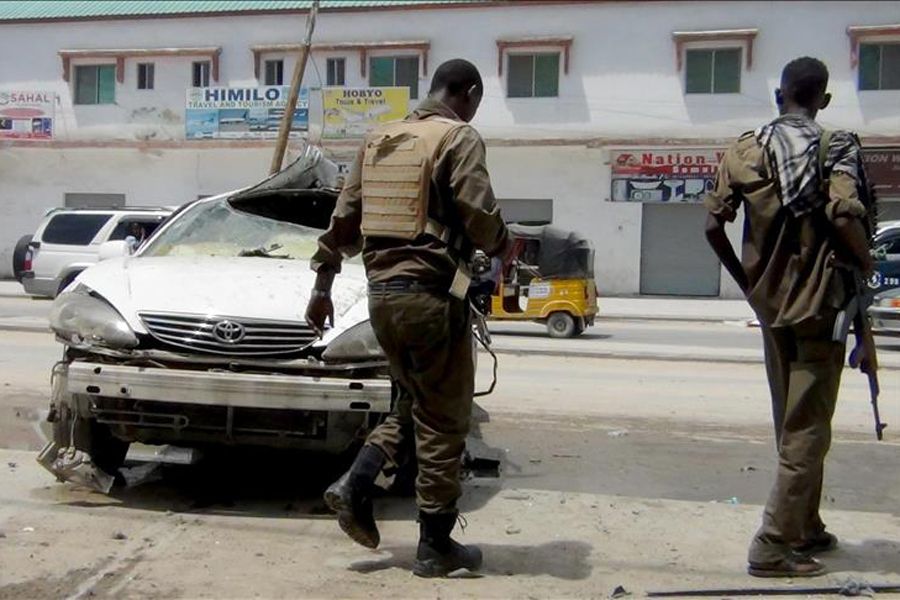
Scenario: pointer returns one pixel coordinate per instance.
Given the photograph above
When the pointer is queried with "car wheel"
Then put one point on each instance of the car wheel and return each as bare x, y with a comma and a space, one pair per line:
561, 325
107, 451
66, 281
19, 253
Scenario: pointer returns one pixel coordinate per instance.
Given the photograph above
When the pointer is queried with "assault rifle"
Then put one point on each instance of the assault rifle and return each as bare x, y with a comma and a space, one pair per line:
863, 355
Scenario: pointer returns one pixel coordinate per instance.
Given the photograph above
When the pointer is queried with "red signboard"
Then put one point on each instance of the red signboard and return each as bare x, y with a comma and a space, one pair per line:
679, 175
883, 168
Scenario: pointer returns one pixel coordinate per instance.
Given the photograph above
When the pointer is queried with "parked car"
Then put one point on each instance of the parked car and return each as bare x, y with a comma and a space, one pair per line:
885, 312
887, 257
68, 241
199, 338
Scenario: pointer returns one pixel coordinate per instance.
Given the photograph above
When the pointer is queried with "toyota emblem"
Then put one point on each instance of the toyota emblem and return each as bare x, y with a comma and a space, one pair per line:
228, 332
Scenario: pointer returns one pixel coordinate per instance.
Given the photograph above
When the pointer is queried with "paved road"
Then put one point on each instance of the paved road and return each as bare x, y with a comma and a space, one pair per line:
616, 472
21, 306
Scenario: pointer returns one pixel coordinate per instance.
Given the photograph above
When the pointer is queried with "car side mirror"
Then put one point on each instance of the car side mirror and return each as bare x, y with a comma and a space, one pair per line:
114, 249
880, 252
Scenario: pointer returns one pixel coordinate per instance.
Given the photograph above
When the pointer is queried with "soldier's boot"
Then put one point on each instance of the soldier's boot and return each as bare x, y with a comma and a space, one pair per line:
351, 497
438, 554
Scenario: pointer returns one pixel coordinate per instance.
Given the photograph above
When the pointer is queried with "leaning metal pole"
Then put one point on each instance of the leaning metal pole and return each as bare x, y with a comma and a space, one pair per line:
287, 119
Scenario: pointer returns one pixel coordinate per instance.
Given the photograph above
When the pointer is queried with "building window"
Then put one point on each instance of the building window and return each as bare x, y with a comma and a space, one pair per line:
533, 75
335, 68
274, 72
146, 73
95, 84
713, 71
387, 71
201, 74
879, 66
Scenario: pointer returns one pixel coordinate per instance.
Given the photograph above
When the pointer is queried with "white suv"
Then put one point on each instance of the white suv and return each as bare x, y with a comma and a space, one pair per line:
68, 241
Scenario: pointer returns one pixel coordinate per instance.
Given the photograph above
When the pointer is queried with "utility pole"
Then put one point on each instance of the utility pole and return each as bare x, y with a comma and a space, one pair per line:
287, 119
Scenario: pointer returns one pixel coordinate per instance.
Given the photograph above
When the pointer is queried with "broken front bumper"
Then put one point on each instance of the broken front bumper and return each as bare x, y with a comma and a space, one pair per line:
222, 388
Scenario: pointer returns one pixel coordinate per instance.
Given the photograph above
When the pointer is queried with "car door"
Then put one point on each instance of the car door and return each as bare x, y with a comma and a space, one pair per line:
67, 239
887, 268
123, 228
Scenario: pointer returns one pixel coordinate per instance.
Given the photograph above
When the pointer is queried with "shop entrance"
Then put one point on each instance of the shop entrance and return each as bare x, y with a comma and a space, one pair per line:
675, 257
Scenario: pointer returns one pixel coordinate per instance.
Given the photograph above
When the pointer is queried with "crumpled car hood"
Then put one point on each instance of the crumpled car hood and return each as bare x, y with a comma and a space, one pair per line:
235, 287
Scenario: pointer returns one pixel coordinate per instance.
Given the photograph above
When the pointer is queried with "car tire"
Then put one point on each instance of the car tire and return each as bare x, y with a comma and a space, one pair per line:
19, 253
561, 325
66, 281
107, 451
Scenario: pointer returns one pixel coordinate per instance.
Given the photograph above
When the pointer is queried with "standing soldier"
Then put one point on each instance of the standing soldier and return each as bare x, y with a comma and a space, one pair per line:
417, 202
803, 219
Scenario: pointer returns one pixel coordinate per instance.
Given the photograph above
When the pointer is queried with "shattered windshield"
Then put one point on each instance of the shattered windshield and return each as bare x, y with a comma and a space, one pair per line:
217, 229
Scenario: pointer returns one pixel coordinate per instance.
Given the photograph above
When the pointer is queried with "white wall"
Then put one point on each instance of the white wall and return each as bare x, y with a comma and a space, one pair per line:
623, 80
623, 88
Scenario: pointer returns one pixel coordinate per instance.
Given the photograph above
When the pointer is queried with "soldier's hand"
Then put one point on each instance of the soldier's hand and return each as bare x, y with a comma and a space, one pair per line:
320, 309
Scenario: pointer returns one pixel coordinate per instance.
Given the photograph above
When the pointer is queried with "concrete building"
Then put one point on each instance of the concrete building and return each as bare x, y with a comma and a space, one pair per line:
602, 116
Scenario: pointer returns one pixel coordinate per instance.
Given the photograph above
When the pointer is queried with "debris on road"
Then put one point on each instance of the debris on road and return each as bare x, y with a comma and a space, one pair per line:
12, 465
516, 496
619, 592
463, 574
566, 456
119, 536
748, 468
618, 433
28, 529
513, 530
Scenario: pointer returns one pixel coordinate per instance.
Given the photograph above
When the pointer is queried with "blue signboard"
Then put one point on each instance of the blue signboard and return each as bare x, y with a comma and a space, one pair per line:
242, 113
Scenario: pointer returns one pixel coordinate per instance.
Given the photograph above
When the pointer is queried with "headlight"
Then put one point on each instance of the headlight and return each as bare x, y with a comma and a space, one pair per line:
357, 343
84, 319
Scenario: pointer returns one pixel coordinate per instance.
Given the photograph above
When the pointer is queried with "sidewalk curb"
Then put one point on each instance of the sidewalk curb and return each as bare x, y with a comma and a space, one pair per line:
25, 328
678, 318
654, 356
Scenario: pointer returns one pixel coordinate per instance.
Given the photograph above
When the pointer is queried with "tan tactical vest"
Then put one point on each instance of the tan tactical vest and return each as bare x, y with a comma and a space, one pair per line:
396, 178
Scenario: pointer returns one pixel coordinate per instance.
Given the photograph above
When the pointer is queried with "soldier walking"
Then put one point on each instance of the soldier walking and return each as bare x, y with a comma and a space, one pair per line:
803, 219
417, 202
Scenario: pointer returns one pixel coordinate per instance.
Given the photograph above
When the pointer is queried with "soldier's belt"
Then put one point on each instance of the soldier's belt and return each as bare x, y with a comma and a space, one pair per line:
407, 286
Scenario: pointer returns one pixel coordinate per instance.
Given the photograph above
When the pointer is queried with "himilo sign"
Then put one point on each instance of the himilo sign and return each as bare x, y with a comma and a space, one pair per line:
240, 113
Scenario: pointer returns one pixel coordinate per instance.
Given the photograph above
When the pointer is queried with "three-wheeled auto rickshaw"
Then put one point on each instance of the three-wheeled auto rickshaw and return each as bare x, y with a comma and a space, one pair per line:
551, 281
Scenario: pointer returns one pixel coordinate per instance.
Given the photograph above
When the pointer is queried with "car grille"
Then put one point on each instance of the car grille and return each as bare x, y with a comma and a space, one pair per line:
230, 336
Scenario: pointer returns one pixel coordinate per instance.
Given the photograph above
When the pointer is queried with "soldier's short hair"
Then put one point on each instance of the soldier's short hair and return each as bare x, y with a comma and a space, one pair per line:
456, 76
804, 79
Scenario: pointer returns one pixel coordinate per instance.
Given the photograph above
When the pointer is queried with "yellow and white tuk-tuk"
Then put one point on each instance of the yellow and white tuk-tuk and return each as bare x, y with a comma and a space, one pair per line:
551, 281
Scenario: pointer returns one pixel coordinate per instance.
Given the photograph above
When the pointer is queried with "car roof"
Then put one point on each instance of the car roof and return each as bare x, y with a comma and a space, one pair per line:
113, 209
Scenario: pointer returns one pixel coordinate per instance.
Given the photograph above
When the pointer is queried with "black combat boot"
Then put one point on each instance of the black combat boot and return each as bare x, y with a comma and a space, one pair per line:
437, 554
351, 497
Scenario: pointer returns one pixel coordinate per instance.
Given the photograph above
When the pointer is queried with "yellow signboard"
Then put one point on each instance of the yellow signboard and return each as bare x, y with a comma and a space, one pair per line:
352, 112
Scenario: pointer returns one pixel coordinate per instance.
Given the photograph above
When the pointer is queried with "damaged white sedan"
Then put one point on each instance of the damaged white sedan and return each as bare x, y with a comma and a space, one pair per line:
199, 339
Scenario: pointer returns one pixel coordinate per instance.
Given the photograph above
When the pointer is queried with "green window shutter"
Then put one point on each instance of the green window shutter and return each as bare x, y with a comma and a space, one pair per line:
520, 76
106, 84
86, 85
727, 71
381, 71
408, 74
546, 75
890, 67
698, 71
869, 66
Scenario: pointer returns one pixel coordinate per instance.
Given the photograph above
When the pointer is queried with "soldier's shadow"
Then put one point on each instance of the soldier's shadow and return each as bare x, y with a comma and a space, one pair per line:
870, 556
559, 559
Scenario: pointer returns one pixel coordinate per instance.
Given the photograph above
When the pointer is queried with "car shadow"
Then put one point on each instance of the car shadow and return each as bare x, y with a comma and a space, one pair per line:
558, 559
277, 484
